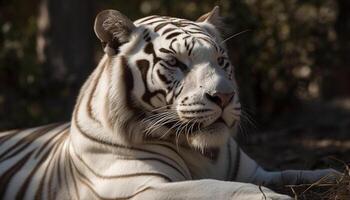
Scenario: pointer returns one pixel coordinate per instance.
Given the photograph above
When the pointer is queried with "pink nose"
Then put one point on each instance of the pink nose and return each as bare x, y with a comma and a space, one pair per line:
222, 99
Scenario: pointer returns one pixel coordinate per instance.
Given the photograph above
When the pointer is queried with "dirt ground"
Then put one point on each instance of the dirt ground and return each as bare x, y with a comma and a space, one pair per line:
316, 136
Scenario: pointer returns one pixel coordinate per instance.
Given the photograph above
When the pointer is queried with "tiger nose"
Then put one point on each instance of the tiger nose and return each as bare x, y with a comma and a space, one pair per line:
221, 99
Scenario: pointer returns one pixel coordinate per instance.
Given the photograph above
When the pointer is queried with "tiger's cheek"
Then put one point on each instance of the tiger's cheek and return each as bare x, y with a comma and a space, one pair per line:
146, 92
168, 80
139, 70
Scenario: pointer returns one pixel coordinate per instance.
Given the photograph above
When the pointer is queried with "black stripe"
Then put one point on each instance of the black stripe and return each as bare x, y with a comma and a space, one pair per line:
171, 44
135, 174
26, 141
186, 37
237, 163
92, 93
190, 50
148, 18
226, 66
170, 148
9, 136
154, 22
25, 185
143, 66
172, 35
50, 179
179, 92
128, 80
6, 177
86, 181
146, 97
80, 174
160, 26
198, 33
93, 191
43, 146
167, 67
168, 30
82, 178
65, 156
38, 193
73, 177
163, 50
114, 198
195, 111
229, 169
185, 22
163, 78
116, 145
58, 172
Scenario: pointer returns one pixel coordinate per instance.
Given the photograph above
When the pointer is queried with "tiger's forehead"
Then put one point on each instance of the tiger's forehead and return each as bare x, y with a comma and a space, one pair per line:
177, 30
158, 22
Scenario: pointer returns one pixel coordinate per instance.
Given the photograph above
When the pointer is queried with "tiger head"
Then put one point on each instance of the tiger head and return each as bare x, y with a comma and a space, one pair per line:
180, 82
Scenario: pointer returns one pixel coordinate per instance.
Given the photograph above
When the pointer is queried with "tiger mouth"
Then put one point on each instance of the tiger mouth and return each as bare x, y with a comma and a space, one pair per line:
220, 119
196, 127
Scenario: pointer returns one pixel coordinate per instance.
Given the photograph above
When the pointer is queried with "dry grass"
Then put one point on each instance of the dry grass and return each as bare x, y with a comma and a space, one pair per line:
323, 189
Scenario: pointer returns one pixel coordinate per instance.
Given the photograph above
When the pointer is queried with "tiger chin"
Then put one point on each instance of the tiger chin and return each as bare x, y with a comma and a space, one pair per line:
203, 121
153, 121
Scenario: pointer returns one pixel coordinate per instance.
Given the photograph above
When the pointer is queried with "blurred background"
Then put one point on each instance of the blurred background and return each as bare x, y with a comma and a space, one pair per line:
292, 66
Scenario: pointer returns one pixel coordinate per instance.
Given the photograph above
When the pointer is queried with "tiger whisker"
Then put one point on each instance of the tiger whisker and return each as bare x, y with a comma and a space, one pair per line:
177, 134
161, 122
242, 125
192, 126
184, 124
158, 121
245, 109
155, 120
159, 116
187, 130
241, 130
156, 109
152, 129
164, 123
234, 35
168, 131
245, 116
191, 129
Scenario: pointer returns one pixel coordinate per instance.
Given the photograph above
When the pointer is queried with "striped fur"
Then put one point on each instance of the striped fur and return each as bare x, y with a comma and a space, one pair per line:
153, 121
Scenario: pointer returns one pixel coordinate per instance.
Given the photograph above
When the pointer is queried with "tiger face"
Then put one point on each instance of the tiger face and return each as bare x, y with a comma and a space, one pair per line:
183, 80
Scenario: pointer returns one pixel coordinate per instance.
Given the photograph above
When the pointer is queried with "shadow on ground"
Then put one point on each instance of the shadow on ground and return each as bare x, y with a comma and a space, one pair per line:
315, 136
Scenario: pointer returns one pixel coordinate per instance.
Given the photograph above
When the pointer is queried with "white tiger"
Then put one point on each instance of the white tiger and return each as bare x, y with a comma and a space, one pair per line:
153, 121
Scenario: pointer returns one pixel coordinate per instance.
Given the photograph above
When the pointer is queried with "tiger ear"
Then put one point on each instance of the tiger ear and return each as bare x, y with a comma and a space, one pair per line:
113, 29
212, 17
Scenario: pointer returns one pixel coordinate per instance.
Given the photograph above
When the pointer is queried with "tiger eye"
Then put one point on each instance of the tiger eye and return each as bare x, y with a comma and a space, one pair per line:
172, 61
220, 60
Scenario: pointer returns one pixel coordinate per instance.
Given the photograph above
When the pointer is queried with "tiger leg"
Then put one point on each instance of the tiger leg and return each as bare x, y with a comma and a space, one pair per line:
207, 189
249, 171
295, 177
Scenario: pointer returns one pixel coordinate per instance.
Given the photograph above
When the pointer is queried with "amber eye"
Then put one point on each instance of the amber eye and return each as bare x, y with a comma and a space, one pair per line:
172, 61
221, 60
